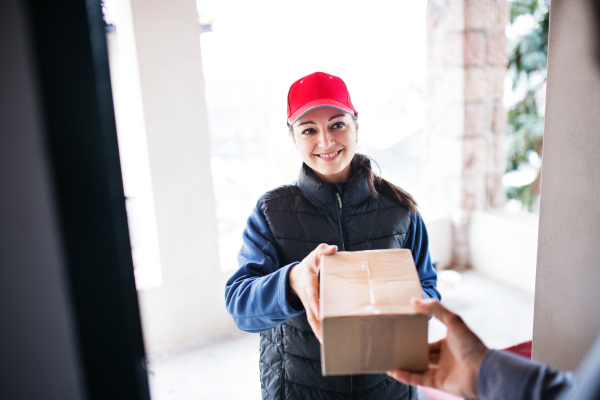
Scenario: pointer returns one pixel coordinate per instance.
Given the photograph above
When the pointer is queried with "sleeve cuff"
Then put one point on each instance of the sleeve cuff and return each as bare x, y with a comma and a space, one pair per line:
505, 376
291, 310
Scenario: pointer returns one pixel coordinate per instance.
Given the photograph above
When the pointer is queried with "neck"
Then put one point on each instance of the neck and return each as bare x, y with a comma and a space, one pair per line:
342, 176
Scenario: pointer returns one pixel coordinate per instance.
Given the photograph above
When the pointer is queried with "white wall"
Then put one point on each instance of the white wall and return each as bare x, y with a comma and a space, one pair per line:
439, 231
190, 302
503, 246
133, 150
567, 304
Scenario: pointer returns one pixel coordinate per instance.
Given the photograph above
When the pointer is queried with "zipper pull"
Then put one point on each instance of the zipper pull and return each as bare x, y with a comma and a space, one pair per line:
339, 200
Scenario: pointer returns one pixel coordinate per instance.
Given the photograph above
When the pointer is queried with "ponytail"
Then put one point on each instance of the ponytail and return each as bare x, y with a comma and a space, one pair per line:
377, 184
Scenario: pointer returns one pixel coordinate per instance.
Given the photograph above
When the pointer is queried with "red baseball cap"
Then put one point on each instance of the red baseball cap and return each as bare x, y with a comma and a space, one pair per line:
317, 90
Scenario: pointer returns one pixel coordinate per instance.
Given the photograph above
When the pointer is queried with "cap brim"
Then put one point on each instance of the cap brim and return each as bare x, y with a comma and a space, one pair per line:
318, 104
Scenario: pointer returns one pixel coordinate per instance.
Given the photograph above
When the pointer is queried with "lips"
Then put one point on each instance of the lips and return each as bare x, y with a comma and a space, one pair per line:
330, 155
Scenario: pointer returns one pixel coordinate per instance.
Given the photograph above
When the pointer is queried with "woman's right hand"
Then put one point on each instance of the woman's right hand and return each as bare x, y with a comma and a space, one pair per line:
304, 282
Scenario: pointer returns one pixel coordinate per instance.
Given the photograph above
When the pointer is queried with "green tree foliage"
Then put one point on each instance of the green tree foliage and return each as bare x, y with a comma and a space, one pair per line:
527, 64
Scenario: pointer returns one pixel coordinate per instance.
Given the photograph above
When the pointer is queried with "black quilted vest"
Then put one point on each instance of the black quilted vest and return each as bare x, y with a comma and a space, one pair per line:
300, 217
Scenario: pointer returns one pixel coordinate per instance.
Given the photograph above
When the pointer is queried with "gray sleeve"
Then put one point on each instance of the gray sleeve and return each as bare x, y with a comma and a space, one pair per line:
504, 376
588, 376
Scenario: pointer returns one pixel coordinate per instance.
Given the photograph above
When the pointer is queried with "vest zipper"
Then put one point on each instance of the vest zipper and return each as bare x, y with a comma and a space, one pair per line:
339, 198
340, 219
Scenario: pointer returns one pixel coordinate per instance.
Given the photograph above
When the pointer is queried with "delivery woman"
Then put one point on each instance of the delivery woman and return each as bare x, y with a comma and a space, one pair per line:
337, 203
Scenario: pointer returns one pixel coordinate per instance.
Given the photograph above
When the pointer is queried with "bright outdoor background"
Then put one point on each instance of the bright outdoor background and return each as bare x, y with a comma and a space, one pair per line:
525, 98
255, 50
251, 58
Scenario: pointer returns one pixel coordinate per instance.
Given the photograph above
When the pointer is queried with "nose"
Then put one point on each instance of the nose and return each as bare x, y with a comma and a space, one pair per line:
326, 139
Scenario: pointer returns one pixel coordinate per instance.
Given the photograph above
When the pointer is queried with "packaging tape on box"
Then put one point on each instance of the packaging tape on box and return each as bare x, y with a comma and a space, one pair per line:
369, 325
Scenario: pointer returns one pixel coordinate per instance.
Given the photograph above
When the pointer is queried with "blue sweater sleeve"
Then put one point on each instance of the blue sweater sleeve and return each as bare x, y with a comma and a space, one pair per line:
418, 242
256, 295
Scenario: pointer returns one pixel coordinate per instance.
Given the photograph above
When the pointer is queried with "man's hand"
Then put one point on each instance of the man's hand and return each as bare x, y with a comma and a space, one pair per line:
304, 282
454, 361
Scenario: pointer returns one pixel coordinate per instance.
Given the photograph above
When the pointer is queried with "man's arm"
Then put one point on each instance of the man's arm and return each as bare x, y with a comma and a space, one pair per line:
461, 364
506, 376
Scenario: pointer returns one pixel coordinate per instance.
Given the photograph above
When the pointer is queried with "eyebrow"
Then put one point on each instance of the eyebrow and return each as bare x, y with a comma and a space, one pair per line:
332, 118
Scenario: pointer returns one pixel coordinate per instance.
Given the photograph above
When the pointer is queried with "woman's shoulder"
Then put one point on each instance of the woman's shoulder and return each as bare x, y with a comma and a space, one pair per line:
395, 196
387, 196
279, 192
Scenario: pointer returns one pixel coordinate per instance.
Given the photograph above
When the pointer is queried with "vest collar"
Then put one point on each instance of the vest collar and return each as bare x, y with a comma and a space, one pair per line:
323, 195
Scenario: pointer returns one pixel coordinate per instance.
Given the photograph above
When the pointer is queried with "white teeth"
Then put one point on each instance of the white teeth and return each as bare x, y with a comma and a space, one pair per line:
329, 155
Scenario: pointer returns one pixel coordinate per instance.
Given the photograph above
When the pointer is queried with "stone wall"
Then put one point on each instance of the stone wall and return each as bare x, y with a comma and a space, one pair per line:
465, 155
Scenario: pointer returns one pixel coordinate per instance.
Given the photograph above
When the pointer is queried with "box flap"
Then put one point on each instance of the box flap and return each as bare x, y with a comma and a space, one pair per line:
368, 283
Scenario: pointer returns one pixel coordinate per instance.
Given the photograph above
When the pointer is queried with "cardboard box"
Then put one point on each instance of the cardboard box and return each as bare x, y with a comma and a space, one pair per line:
369, 325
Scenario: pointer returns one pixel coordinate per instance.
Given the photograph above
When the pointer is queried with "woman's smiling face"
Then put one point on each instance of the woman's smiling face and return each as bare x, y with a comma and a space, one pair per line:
326, 139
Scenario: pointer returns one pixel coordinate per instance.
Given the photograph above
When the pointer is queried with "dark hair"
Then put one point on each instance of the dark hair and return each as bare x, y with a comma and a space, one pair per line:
376, 183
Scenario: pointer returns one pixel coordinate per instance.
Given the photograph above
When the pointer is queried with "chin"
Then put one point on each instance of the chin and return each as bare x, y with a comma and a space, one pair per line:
327, 170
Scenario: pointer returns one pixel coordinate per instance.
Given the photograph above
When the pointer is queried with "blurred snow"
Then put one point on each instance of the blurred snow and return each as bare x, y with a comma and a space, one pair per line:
524, 175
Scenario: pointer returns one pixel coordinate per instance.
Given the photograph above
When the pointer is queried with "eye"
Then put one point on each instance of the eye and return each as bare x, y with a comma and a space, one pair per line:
338, 125
308, 131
